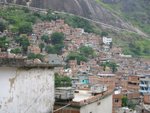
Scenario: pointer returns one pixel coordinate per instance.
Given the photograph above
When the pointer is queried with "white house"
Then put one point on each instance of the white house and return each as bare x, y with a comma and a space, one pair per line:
107, 40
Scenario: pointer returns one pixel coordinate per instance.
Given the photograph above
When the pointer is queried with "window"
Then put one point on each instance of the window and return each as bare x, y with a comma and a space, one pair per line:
116, 100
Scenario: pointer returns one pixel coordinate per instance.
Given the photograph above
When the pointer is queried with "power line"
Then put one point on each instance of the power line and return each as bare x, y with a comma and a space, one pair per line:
62, 107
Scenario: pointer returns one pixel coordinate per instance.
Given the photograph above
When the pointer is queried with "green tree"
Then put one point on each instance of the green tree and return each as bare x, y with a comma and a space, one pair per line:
58, 48
25, 28
76, 56
18, 39
4, 43
55, 49
57, 38
41, 46
62, 81
51, 16
104, 66
128, 103
24, 42
104, 34
45, 38
34, 56
16, 51
2, 25
50, 49
31, 18
26, 10
124, 101
112, 65
39, 56
86, 51
31, 56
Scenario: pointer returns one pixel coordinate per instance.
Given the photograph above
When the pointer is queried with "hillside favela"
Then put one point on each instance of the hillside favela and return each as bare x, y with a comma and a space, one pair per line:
74, 56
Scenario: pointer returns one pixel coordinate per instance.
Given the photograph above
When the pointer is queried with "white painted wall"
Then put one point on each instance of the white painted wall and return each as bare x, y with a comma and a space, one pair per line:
26, 91
105, 106
107, 40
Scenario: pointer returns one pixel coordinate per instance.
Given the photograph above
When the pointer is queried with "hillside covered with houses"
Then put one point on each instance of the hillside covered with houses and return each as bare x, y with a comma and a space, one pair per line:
87, 57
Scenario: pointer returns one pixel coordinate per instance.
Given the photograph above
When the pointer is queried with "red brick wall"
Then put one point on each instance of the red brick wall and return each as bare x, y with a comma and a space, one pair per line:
147, 99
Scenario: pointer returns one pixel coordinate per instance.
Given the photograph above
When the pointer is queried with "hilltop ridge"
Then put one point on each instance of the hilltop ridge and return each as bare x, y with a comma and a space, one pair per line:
91, 9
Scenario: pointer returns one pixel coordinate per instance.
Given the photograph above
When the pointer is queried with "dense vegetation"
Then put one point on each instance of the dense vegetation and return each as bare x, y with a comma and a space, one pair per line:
135, 11
3, 24
87, 51
139, 48
57, 43
76, 56
128, 103
16, 51
62, 81
34, 56
23, 41
111, 65
4, 43
17, 20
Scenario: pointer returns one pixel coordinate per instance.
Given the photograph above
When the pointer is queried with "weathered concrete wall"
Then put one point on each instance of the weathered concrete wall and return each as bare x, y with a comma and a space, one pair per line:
26, 91
101, 106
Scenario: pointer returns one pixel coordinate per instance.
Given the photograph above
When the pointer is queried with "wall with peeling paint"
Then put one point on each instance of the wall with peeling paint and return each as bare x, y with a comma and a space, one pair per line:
26, 90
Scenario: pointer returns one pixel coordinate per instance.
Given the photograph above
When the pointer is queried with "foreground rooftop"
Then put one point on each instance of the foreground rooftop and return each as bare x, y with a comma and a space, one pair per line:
82, 95
22, 62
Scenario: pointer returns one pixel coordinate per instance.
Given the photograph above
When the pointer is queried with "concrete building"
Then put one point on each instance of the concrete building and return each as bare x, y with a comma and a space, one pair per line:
34, 49
144, 85
133, 83
108, 79
117, 100
98, 88
80, 81
107, 40
85, 102
106, 48
26, 88
54, 59
64, 93
84, 79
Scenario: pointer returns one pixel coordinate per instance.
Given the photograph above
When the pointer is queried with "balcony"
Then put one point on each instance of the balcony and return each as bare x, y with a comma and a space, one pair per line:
143, 85
143, 91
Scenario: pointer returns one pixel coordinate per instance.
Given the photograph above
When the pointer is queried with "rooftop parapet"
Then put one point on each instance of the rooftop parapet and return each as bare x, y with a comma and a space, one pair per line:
22, 62
92, 99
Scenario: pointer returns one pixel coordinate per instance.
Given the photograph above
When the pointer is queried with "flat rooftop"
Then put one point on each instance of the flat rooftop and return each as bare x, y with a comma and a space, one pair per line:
105, 75
82, 95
